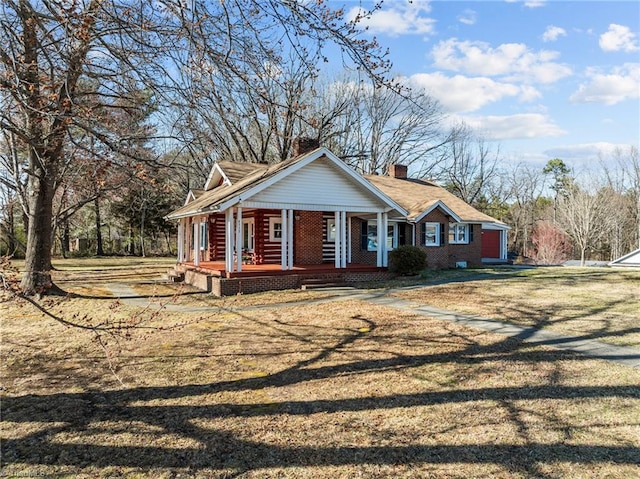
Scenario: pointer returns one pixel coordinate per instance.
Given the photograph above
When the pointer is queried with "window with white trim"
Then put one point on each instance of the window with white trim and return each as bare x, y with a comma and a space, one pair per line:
248, 234
458, 233
432, 234
331, 229
372, 236
275, 229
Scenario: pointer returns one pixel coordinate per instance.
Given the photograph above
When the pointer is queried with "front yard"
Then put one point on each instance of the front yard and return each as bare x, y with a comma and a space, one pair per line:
295, 388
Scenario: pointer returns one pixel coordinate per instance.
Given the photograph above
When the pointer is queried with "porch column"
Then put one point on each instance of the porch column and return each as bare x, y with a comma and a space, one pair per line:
284, 239
228, 240
349, 238
385, 229
290, 240
187, 240
239, 239
503, 245
337, 215
180, 240
196, 242
380, 239
343, 239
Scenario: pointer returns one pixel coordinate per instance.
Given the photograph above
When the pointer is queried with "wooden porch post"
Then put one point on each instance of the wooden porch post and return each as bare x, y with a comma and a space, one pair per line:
239, 239
290, 240
180, 239
337, 216
196, 243
283, 240
228, 239
343, 239
385, 229
349, 238
380, 239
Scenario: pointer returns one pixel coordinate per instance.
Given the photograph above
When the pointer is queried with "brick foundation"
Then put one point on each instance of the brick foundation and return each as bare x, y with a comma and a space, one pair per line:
230, 286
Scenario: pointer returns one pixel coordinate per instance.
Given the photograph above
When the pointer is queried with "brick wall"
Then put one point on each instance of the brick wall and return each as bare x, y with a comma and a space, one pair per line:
358, 254
447, 255
308, 239
232, 286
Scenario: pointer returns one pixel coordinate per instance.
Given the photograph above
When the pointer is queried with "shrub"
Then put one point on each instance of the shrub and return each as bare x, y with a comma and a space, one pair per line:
407, 260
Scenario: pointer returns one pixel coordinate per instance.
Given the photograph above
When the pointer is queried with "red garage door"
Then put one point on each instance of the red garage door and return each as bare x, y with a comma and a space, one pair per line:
490, 244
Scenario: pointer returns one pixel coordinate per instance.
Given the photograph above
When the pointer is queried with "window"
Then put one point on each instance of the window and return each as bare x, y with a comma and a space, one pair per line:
247, 234
458, 233
275, 229
331, 229
203, 236
372, 236
432, 234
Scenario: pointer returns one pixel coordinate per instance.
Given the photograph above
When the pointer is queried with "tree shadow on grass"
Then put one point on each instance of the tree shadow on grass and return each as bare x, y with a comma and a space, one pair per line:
84, 416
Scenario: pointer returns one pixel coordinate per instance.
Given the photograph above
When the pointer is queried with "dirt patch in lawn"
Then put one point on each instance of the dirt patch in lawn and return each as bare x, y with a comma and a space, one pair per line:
337, 389
594, 303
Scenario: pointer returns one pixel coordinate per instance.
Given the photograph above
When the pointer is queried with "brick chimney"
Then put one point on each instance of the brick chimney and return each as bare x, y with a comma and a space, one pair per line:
398, 171
304, 145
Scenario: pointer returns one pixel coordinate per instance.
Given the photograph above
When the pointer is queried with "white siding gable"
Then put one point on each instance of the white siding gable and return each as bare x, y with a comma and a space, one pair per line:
319, 184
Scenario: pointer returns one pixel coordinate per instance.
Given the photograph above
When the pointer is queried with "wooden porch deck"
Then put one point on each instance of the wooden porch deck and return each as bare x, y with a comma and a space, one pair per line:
217, 268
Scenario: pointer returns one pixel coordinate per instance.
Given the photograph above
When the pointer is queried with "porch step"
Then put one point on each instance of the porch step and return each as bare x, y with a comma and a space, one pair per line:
322, 283
175, 276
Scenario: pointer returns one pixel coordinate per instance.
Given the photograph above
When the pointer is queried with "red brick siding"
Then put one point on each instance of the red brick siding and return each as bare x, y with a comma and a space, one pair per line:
359, 255
447, 255
232, 286
308, 237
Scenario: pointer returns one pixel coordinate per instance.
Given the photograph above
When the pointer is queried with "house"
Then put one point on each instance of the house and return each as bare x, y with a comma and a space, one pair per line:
452, 232
257, 227
630, 260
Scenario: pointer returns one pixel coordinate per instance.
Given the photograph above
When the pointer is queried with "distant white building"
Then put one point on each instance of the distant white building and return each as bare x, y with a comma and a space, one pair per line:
632, 259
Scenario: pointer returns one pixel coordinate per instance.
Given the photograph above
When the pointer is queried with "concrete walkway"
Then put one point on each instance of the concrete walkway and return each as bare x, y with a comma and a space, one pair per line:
589, 347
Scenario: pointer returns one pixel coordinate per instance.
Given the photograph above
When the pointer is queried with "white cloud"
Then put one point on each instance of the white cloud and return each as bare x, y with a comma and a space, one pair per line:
552, 33
619, 38
534, 3
511, 127
465, 94
512, 60
468, 17
399, 18
623, 83
586, 151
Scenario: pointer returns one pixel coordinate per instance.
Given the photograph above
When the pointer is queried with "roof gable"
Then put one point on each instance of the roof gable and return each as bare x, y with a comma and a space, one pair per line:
419, 198
263, 177
631, 259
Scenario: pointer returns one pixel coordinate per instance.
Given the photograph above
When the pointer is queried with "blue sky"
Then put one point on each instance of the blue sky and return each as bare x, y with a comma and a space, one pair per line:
545, 79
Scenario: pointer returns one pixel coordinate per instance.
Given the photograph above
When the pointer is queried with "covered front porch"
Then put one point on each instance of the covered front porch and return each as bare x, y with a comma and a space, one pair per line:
217, 269
211, 276
245, 241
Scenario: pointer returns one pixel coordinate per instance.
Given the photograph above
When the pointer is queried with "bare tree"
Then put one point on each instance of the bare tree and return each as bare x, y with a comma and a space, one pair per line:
525, 188
377, 127
585, 212
468, 164
63, 65
623, 177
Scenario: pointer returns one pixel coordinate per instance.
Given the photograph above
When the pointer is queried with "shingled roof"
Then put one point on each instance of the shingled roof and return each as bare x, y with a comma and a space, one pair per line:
418, 196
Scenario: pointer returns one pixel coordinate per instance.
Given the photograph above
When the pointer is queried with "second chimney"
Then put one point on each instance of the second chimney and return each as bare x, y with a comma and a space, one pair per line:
398, 171
304, 145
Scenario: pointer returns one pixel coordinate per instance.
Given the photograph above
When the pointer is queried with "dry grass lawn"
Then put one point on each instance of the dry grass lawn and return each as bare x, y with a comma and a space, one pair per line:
337, 389
593, 303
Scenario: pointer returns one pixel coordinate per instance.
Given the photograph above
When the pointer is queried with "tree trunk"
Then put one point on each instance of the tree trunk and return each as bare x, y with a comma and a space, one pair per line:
99, 248
37, 268
142, 252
